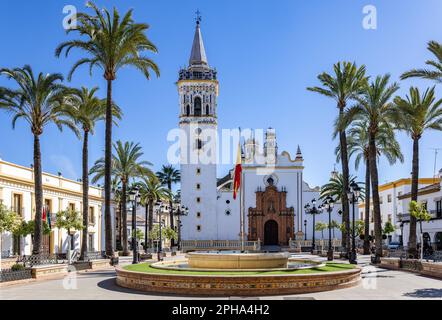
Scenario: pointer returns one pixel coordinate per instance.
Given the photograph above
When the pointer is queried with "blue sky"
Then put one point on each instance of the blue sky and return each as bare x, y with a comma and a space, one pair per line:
266, 54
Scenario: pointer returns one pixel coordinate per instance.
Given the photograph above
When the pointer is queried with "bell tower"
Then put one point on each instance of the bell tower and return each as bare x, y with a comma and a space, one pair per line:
198, 93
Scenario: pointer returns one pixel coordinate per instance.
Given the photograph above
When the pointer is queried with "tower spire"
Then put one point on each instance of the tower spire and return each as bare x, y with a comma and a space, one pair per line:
198, 54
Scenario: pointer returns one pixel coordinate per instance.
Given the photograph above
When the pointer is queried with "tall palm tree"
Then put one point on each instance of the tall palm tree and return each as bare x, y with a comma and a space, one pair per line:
416, 114
126, 164
168, 176
110, 43
344, 86
335, 188
117, 196
435, 73
151, 191
39, 101
86, 109
358, 146
375, 108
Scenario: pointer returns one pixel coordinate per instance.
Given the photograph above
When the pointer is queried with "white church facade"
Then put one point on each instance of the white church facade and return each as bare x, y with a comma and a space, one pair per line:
273, 192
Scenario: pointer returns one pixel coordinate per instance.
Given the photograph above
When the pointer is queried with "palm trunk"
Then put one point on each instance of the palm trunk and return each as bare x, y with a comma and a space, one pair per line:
375, 192
85, 196
38, 227
107, 173
172, 223
345, 178
124, 217
150, 221
414, 190
367, 208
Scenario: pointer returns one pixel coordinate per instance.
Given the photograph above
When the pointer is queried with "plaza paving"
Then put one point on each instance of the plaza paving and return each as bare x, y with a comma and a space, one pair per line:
376, 284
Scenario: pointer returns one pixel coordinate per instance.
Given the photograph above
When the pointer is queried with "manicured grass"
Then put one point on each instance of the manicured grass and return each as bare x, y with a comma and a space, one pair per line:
329, 267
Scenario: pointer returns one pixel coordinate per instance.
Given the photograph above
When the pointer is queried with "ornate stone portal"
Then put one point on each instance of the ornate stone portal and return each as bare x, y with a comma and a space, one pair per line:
271, 221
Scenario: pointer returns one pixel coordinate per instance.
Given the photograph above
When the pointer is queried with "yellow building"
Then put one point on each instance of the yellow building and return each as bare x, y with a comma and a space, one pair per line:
59, 193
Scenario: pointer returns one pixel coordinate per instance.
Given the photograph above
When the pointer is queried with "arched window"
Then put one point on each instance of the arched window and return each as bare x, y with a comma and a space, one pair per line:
207, 110
197, 107
187, 110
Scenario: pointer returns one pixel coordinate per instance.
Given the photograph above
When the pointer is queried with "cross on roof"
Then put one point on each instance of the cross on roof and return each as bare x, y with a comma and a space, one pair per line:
198, 17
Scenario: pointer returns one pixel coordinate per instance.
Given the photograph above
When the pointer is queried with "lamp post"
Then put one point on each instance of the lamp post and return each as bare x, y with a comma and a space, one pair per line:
313, 211
305, 229
134, 198
353, 194
160, 247
328, 205
181, 211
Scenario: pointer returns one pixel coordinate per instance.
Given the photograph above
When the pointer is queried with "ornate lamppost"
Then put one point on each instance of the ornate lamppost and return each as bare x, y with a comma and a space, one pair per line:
313, 211
181, 211
134, 197
160, 206
305, 229
353, 194
328, 205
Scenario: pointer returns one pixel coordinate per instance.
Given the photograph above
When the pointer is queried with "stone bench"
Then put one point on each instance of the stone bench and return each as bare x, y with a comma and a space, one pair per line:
390, 263
92, 264
49, 271
432, 269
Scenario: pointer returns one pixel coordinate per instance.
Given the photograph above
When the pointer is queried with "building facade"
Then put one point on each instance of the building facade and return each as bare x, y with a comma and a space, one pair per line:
273, 192
394, 199
17, 194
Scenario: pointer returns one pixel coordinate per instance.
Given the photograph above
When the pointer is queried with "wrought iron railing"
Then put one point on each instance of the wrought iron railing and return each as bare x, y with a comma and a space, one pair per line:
14, 275
187, 245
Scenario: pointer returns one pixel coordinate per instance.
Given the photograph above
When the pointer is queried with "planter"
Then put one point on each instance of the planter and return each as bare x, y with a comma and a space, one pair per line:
432, 269
390, 263
7, 275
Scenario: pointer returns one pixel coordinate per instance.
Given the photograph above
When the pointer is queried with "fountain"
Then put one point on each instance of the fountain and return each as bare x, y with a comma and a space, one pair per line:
227, 273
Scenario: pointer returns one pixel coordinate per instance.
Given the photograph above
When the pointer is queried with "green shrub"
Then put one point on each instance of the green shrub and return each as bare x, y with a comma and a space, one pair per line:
17, 267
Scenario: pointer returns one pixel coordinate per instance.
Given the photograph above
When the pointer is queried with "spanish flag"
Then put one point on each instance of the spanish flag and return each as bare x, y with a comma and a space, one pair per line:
238, 170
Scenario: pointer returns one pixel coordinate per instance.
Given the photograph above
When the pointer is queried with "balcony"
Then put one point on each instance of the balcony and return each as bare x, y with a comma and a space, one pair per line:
405, 217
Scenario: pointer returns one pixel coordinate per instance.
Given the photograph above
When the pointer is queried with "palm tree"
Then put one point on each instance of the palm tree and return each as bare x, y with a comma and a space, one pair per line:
416, 114
86, 109
346, 84
436, 74
151, 191
168, 176
110, 44
39, 101
117, 196
358, 145
335, 187
375, 108
126, 164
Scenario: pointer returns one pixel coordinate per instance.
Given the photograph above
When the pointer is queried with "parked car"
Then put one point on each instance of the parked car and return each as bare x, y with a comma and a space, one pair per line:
394, 245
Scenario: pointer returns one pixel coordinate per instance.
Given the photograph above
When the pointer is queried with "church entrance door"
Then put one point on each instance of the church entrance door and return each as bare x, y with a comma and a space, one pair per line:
271, 233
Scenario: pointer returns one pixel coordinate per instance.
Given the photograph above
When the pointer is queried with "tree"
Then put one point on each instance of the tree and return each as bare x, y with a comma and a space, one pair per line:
388, 228
86, 109
9, 221
70, 220
110, 43
335, 188
416, 114
152, 191
167, 233
334, 225
375, 108
321, 226
419, 212
139, 235
359, 227
344, 86
358, 146
432, 74
168, 176
39, 101
126, 165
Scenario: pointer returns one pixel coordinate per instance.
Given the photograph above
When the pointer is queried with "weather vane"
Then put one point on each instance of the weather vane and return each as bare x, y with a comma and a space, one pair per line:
198, 16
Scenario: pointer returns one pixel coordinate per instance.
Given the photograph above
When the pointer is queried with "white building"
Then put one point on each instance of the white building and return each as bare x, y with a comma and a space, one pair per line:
17, 194
395, 198
273, 190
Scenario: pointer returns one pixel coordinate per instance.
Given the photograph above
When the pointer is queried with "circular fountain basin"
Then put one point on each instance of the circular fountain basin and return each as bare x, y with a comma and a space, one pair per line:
236, 260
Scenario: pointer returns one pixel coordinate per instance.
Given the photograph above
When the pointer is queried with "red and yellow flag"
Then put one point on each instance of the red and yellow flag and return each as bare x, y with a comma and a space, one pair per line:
238, 170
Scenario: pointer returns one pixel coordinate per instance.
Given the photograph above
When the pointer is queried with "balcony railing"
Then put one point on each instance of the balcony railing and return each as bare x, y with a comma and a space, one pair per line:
405, 217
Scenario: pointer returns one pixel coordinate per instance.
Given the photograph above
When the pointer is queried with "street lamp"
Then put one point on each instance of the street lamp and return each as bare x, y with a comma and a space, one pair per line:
313, 211
181, 211
328, 205
353, 194
305, 229
160, 206
134, 197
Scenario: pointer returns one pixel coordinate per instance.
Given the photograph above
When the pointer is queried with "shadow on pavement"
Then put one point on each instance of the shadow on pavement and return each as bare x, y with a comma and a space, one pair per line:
425, 293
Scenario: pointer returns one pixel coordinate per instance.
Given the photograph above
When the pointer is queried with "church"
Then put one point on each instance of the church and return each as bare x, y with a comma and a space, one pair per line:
270, 206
